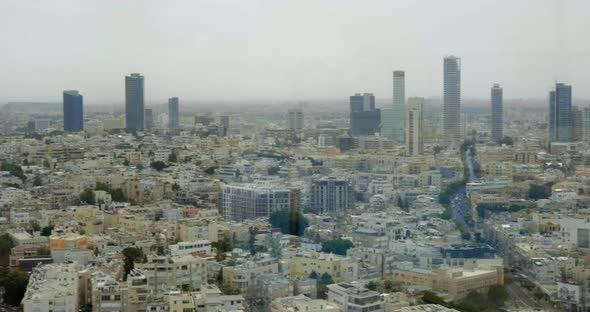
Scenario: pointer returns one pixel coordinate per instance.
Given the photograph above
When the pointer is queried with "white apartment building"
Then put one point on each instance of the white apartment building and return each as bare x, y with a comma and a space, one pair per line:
187, 248
52, 287
354, 298
250, 201
174, 273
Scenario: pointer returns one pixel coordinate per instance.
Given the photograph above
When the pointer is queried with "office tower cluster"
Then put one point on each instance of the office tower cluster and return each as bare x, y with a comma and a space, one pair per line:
364, 117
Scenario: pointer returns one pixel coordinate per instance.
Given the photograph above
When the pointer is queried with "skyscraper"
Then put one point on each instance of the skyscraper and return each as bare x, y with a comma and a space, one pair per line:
578, 124
364, 118
224, 125
134, 104
497, 120
295, 120
452, 99
560, 113
414, 125
73, 109
399, 105
586, 126
173, 114
388, 123
149, 119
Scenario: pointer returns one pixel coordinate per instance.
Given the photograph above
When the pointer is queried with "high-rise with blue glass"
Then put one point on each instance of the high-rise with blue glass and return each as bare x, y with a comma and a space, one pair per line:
560, 113
173, 114
134, 104
73, 111
364, 118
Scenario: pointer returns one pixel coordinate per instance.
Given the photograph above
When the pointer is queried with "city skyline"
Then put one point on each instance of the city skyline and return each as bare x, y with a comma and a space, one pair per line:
529, 55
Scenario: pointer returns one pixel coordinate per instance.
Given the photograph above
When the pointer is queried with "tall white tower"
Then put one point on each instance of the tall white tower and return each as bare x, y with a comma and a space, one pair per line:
414, 126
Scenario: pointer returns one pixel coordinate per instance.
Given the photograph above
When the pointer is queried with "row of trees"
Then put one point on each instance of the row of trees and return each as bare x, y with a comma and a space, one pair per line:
475, 301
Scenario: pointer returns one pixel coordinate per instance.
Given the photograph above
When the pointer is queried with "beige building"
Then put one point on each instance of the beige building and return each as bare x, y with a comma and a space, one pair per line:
242, 276
455, 282
342, 269
303, 303
165, 273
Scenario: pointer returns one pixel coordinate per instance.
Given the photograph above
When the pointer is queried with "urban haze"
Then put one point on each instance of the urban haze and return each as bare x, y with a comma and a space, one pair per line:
284, 156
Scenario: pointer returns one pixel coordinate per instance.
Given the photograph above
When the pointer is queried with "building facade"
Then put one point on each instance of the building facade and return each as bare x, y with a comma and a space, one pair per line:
452, 99
399, 105
134, 102
246, 202
173, 114
331, 194
414, 125
73, 109
295, 120
560, 113
497, 120
364, 118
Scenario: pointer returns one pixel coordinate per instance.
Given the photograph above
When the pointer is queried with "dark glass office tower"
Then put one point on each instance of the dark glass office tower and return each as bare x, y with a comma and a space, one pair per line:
73, 111
134, 103
560, 113
173, 115
364, 118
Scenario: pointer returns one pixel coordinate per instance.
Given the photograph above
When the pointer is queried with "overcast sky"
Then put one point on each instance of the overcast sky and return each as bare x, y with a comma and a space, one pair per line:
289, 50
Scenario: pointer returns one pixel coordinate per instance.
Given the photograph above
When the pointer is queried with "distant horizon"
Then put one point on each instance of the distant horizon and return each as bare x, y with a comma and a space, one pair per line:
230, 50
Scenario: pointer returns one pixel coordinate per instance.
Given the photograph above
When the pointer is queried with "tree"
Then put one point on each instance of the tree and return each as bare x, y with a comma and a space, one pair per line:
6, 245
221, 247
15, 284
46, 163
158, 165
371, 285
337, 246
437, 149
172, 157
117, 194
313, 275
126, 162
88, 197
14, 170
46, 231
139, 166
130, 256
293, 223
324, 280
37, 181
497, 295
507, 140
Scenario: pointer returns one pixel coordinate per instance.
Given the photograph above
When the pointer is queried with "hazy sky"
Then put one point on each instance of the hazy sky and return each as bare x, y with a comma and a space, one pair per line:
289, 50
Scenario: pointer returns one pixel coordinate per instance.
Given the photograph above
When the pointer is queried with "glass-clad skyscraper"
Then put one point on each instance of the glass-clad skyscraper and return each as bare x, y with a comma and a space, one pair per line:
497, 120
560, 113
452, 99
173, 114
73, 110
134, 103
